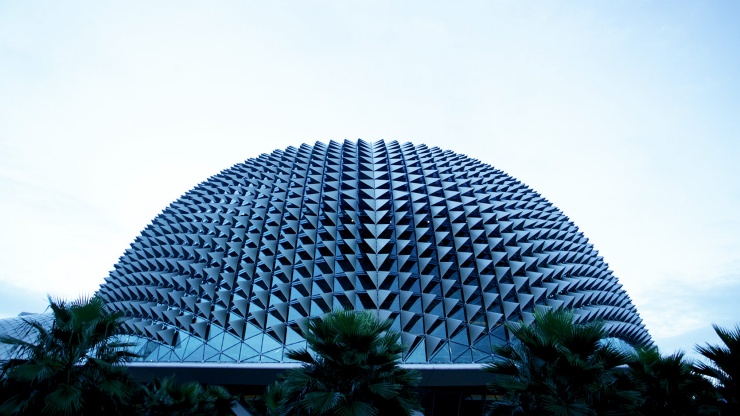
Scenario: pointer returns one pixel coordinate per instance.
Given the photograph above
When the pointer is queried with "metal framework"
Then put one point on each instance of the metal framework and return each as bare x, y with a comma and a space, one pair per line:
446, 246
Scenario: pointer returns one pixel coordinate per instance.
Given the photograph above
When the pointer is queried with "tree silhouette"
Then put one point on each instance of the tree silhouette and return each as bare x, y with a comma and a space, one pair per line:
559, 367
723, 367
350, 368
72, 367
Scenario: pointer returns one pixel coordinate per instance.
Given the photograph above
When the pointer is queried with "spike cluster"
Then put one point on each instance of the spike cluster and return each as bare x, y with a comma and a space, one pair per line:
447, 247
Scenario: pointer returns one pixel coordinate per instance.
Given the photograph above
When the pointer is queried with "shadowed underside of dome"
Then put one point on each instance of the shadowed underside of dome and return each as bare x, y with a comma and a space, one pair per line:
448, 247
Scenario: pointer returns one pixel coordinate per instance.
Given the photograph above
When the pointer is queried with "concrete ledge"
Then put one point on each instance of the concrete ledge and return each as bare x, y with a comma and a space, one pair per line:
259, 374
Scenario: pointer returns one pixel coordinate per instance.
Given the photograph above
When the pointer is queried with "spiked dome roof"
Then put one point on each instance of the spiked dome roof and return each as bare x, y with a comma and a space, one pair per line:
448, 247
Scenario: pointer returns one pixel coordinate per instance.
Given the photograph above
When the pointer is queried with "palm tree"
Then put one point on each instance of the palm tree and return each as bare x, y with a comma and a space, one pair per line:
351, 369
669, 384
72, 367
167, 398
723, 367
270, 402
558, 367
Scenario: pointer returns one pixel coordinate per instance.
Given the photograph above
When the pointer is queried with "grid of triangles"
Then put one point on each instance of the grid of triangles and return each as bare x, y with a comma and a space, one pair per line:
448, 247
17, 327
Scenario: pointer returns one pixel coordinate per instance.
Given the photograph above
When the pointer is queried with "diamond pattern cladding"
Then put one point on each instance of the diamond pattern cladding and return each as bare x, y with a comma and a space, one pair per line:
446, 246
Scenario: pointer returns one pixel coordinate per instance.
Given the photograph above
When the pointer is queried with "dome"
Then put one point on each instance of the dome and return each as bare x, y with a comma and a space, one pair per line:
446, 246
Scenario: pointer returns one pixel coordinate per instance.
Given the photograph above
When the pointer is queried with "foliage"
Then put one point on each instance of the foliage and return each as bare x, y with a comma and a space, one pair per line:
669, 385
352, 369
72, 367
558, 367
723, 367
167, 398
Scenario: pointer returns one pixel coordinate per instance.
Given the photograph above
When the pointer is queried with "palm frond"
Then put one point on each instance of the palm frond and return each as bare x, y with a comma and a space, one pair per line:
321, 402
65, 399
301, 355
356, 408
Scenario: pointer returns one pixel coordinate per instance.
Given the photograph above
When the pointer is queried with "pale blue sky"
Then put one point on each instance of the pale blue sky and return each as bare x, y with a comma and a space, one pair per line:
624, 114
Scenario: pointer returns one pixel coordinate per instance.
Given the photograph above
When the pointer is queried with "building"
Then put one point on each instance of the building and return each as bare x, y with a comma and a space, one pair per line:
220, 283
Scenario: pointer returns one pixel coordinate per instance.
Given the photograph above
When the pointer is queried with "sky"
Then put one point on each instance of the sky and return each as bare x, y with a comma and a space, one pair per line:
624, 114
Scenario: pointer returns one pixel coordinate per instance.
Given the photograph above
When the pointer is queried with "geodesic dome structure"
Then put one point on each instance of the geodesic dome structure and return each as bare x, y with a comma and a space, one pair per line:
446, 246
